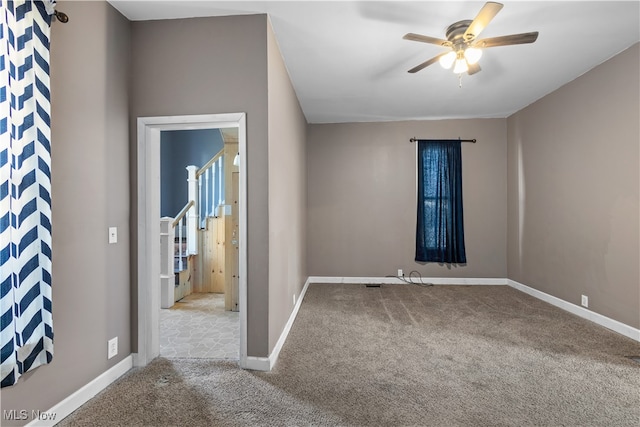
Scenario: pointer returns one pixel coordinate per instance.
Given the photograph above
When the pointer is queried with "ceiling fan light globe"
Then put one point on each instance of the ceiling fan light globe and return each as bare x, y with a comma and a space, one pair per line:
472, 55
447, 60
461, 66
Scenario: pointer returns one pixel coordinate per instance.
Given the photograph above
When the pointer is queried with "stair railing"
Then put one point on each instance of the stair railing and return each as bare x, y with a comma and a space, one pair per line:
209, 178
180, 222
190, 218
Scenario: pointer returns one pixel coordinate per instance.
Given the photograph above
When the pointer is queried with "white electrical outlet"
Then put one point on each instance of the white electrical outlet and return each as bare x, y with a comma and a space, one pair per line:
294, 299
585, 301
112, 347
113, 235
400, 273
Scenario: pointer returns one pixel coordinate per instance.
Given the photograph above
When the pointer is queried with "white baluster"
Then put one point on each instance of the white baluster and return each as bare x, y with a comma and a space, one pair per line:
214, 185
200, 205
207, 210
220, 190
180, 226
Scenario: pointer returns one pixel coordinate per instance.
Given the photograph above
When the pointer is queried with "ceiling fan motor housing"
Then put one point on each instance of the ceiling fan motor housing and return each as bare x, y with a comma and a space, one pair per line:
455, 32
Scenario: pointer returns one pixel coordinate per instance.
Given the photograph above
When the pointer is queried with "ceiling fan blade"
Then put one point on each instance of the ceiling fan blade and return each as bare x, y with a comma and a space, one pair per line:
426, 39
486, 14
523, 38
425, 64
473, 68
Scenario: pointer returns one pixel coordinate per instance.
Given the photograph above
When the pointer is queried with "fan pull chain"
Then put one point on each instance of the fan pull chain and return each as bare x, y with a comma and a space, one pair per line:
460, 80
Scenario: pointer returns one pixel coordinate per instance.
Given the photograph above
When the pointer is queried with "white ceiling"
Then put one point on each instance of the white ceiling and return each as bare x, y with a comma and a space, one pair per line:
348, 62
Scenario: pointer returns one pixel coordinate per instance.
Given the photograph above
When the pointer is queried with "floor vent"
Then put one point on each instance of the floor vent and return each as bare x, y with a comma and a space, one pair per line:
372, 285
634, 358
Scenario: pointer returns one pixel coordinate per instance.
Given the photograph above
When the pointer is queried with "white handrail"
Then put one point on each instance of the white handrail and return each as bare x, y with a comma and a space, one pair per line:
209, 163
183, 212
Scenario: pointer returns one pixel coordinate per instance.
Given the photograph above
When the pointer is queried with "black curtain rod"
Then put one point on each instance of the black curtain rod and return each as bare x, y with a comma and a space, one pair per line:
461, 140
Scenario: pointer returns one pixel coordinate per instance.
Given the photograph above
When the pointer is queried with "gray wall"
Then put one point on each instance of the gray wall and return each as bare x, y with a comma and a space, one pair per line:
233, 64
90, 192
573, 191
287, 192
179, 149
362, 197
205, 66
572, 161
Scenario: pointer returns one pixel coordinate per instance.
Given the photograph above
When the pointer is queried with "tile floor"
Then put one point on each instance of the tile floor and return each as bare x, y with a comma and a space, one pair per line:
197, 326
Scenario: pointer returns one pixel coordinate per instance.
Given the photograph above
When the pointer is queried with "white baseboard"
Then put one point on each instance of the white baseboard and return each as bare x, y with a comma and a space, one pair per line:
267, 363
257, 363
599, 319
273, 357
396, 281
614, 325
83, 395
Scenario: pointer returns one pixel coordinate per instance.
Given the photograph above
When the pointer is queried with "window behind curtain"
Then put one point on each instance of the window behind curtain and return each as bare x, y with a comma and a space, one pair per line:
440, 225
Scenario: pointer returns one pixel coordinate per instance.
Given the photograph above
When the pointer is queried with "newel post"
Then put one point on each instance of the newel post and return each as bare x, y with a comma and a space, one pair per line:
192, 214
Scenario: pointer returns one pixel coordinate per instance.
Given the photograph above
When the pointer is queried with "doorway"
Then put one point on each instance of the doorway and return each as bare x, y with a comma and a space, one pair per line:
148, 226
199, 317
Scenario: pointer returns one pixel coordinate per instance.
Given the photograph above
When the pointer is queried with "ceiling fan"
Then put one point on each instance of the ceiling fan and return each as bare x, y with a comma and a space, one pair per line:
465, 48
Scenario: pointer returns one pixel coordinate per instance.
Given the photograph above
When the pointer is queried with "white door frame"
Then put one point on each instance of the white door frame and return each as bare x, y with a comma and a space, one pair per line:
148, 225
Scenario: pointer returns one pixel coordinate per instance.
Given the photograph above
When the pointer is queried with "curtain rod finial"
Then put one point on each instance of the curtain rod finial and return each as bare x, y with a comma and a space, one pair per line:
62, 17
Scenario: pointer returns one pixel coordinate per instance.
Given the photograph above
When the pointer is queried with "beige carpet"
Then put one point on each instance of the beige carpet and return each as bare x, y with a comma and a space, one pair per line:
400, 355
199, 327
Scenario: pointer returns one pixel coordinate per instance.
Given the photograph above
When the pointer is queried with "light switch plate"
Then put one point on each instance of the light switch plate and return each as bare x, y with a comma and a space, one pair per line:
113, 234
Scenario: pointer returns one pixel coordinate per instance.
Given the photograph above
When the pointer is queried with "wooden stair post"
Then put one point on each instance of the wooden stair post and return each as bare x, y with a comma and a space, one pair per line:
167, 275
192, 214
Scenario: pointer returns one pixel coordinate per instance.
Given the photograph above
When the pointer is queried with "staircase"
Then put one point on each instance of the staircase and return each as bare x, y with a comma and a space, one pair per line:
188, 262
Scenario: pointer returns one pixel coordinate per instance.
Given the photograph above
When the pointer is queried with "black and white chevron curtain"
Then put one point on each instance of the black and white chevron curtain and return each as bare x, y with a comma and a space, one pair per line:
26, 337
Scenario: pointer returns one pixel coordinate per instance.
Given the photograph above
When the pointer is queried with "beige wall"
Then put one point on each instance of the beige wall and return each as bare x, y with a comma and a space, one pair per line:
287, 192
362, 197
90, 192
204, 66
573, 191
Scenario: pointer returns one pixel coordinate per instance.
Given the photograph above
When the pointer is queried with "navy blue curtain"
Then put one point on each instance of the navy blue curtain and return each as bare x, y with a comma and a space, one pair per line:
440, 226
